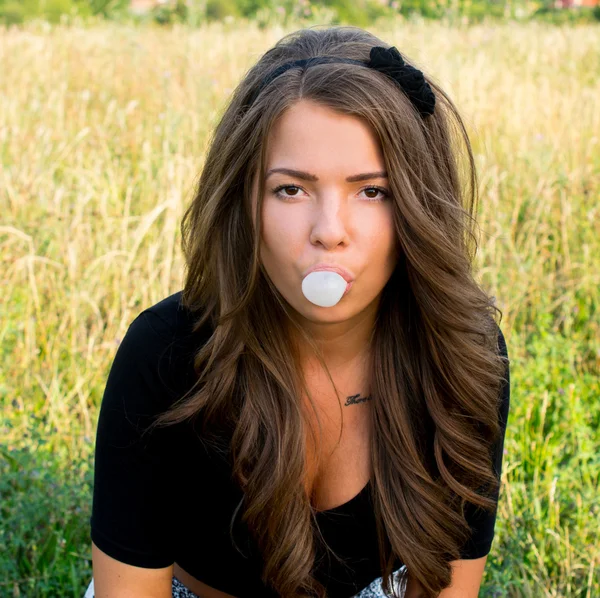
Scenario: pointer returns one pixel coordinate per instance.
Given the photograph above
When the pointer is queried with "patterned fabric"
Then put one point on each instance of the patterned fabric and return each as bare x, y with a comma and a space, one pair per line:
181, 591
373, 590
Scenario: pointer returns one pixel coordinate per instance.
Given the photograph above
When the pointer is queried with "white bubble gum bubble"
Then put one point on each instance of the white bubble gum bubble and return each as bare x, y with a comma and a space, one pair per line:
323, 287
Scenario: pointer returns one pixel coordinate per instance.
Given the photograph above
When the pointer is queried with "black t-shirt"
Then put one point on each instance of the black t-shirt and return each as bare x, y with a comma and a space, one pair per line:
166, 498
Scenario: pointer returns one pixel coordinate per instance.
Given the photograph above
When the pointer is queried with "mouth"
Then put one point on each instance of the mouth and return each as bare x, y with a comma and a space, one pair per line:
345, 274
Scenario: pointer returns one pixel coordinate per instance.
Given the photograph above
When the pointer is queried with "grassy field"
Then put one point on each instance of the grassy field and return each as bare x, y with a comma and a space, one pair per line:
102, 135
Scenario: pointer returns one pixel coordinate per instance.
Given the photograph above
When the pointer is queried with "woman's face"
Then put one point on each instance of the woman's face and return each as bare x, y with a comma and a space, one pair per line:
315, 208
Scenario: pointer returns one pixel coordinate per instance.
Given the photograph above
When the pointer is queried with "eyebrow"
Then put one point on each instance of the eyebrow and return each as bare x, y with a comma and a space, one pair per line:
365, 176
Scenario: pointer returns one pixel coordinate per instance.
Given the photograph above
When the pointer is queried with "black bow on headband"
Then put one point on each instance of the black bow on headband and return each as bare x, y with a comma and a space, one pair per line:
410, 79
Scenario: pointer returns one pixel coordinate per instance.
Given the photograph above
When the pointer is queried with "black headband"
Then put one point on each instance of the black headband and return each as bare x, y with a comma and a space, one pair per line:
385, 60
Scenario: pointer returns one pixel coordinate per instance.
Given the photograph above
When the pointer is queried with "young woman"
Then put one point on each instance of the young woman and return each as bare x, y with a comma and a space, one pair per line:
321, 410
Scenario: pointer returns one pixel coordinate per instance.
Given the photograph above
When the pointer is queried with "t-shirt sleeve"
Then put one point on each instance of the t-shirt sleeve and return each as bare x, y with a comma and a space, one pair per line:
483, 523
132, 505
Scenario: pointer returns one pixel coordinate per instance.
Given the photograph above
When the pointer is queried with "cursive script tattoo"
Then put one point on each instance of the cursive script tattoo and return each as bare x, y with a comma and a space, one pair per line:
354, 399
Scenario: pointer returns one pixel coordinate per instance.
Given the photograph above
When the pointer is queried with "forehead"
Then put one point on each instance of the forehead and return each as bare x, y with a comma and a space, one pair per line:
314, 136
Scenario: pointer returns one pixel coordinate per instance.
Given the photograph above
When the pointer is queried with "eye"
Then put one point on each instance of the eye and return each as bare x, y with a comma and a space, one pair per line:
278, 191
374, 188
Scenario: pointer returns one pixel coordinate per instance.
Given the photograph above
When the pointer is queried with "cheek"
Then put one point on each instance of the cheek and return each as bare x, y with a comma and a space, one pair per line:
381, 232
281, 233
382, 247
281, 216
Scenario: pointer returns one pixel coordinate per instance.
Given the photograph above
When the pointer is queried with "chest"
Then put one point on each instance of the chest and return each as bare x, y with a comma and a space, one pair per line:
338, 462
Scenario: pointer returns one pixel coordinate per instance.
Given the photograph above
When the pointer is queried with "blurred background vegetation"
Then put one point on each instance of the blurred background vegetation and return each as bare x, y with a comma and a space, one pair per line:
272, 12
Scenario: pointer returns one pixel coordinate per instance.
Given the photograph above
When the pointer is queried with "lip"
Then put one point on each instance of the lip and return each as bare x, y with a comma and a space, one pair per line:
345, 274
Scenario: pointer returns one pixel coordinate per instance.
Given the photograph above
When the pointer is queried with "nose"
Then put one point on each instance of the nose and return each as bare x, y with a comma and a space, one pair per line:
330, 225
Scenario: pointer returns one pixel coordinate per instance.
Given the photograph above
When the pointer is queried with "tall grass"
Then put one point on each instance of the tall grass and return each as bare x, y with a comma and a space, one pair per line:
102, 135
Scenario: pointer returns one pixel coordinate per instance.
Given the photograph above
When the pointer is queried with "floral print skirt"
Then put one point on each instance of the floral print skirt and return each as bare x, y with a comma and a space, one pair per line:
373, 590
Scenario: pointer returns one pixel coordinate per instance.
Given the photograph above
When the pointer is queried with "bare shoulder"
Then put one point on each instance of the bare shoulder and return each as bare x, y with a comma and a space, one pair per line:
114, 579
467, 575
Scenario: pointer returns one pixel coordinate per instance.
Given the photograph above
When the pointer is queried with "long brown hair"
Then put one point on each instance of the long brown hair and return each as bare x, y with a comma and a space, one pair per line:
435, 369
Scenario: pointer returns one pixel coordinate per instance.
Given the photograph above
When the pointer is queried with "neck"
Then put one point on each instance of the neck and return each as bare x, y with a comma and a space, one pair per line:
343, 344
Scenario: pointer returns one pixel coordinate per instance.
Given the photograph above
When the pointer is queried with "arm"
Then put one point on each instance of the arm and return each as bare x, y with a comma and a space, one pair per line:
114, 579
467, 575
131, 524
